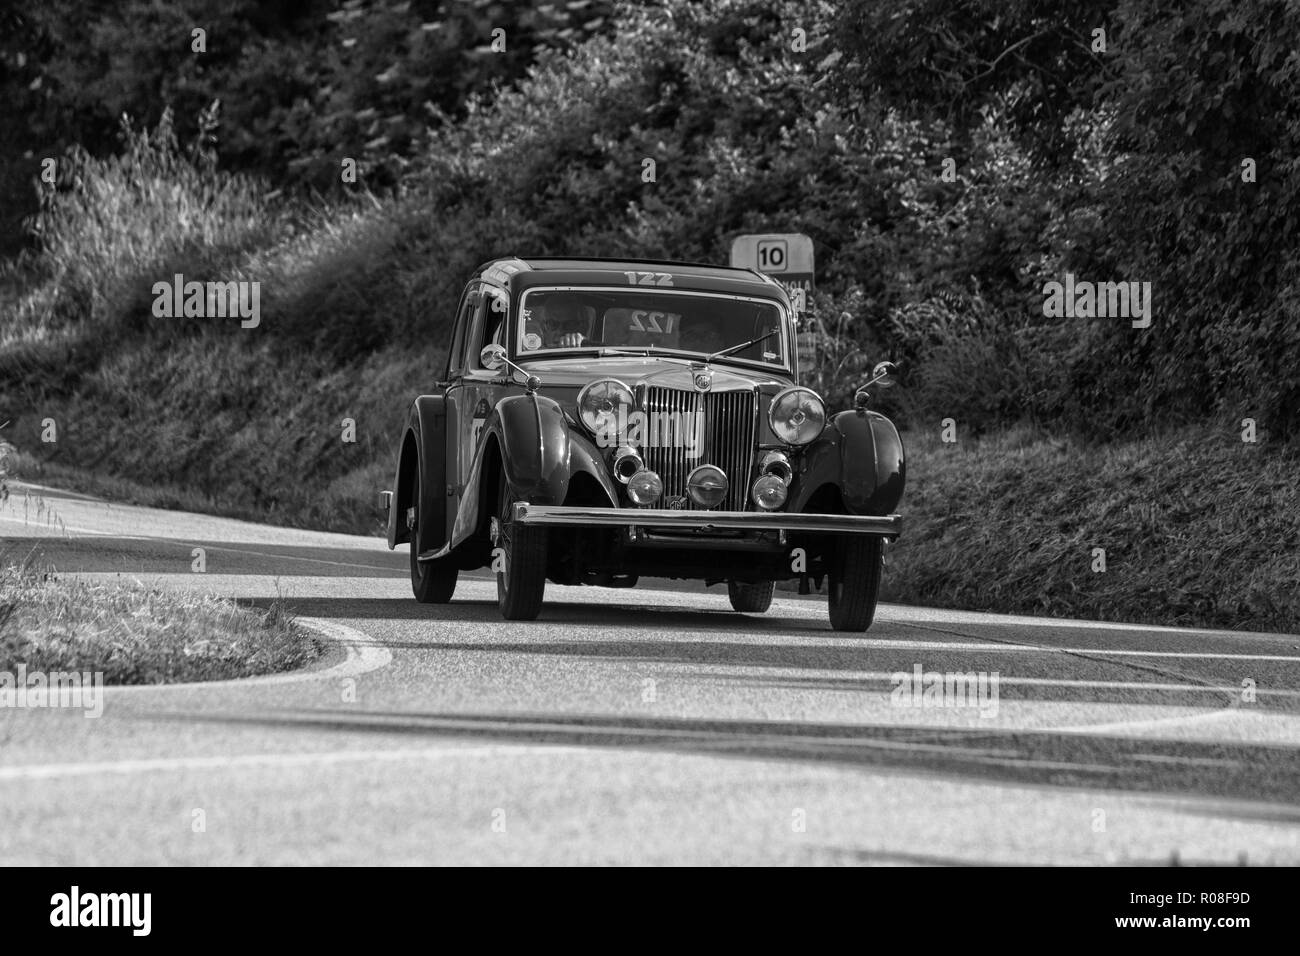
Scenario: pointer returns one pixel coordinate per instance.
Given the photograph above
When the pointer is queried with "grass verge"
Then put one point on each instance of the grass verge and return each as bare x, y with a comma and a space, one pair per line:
1198, 529
136, 634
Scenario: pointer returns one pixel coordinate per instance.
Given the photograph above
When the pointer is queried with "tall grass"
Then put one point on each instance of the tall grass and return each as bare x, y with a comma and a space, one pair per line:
246, 420
114, 219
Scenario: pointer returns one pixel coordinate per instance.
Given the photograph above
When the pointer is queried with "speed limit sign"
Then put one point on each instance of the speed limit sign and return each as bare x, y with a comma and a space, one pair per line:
787, 257
773, 254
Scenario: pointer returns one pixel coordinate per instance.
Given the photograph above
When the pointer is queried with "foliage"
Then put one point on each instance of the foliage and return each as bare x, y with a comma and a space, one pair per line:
300, 85
1178, 548
1141, 147
947, 158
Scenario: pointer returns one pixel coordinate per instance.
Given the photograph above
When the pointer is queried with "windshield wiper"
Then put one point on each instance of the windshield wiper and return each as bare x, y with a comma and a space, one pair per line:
742, 346
640, 350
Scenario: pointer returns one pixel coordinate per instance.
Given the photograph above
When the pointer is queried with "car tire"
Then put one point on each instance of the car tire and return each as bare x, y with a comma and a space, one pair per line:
521, 583
433, 582
853, 582
750, 597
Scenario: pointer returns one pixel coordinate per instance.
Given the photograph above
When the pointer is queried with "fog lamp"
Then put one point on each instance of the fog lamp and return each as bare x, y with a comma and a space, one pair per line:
645, 487
707, 485
768, 492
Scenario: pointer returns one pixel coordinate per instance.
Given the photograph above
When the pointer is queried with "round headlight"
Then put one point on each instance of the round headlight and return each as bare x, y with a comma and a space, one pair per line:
645, 487
707, 485
599, 405
768, 492
797, 415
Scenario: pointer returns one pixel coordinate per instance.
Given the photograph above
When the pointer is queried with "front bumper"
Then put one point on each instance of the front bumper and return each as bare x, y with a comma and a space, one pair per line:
704, 521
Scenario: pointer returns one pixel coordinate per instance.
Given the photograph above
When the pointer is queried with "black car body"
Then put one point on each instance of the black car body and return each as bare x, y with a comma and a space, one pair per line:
599, 421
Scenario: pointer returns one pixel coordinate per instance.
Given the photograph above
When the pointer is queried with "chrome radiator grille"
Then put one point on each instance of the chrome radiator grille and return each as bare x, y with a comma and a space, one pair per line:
728, 442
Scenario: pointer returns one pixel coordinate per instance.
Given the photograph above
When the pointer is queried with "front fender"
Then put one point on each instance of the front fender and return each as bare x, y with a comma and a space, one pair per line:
527, 437
534, 440
860, 454
584, 456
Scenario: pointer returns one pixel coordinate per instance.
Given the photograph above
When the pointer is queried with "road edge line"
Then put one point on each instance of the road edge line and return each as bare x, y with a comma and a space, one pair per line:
362, 655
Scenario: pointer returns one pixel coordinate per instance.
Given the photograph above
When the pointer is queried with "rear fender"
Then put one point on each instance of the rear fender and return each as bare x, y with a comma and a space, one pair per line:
422, 465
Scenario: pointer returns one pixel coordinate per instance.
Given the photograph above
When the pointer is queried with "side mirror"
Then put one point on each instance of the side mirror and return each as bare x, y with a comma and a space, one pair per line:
880, 375
493, 357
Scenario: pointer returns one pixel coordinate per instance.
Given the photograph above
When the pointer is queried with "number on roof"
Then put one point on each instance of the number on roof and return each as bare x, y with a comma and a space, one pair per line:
649, 278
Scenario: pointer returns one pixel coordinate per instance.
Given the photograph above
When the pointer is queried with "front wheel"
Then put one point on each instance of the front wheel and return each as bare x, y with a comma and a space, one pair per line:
751, 598
433, 582
519, 560
853, 582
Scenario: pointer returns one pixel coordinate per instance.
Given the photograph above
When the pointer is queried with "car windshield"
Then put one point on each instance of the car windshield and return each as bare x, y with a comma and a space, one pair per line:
694, 324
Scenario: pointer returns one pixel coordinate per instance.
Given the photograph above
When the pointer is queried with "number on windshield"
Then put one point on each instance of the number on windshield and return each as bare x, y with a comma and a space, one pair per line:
661, 322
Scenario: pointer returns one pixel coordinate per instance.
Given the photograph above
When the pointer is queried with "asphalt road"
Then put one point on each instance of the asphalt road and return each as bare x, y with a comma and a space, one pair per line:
638, 726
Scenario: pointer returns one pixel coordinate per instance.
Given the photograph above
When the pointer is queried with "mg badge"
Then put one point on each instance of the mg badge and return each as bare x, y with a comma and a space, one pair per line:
676, 502
703, 380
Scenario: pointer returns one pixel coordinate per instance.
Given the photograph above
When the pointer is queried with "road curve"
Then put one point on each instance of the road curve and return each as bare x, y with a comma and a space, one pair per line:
644, 726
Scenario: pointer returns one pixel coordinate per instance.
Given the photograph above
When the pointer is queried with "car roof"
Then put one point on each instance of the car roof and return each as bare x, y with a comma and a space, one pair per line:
517, 272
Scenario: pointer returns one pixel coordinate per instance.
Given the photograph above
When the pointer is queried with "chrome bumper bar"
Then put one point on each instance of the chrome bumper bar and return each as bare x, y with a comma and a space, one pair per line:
580, 517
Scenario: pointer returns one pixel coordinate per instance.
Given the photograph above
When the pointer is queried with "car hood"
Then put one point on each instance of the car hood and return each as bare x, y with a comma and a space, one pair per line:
653, 370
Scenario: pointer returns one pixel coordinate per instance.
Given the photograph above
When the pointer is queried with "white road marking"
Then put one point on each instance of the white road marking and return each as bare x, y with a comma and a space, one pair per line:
364, 654
898, 644
326, 757
280, 760
1096, 651
1178, 759
952, 617
288, 557
183, 543
758, 672
1127, 726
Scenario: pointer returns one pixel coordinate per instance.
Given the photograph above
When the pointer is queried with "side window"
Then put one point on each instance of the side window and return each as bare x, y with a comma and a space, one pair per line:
498, 308
484, 329
464, 315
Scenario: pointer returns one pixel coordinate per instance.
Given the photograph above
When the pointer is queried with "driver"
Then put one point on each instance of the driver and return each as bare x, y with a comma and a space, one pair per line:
564, 323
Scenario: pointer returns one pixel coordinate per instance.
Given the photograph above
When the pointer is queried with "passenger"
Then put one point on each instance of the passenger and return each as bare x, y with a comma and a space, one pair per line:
702, 336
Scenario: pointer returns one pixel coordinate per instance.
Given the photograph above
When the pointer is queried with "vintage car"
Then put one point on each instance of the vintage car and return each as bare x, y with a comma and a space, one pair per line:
600, 421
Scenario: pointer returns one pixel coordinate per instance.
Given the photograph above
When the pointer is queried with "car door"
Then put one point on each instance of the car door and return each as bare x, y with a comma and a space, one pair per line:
481, 388
459, 451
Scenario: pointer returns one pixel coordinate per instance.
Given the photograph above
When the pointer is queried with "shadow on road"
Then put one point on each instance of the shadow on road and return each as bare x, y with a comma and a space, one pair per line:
1048, 759
798, 654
